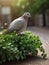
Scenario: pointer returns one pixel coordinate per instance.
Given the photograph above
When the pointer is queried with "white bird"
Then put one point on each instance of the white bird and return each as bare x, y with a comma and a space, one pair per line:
19, 24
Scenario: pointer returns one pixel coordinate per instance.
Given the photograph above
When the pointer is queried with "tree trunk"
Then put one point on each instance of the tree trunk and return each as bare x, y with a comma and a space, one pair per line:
44, 19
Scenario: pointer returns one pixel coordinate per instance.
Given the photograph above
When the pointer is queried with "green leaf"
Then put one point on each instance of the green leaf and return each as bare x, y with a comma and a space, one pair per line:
14, 46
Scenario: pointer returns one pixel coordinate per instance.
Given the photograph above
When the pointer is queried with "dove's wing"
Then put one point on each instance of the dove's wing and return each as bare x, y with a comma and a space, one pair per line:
17, 24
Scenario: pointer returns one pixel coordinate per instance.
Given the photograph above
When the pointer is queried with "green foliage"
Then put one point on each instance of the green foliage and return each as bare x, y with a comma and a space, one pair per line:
15, 47
37, 6
32, 6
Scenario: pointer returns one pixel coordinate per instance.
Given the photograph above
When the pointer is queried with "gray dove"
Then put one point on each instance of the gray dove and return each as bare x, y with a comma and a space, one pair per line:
19, 24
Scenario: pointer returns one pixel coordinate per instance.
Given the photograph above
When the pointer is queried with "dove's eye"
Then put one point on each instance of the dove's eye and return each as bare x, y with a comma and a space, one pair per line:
27, 14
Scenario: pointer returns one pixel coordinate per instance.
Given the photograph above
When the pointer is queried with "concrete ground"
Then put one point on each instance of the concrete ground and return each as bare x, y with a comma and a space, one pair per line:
43, 33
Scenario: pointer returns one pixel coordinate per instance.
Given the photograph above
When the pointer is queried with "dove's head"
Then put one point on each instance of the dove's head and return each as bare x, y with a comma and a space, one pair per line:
27, 15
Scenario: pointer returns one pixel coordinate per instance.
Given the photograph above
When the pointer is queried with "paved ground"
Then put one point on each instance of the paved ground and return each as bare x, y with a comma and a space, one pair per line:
43, 33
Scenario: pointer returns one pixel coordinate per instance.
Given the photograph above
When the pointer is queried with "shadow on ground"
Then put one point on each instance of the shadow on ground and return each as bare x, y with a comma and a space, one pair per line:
28, 61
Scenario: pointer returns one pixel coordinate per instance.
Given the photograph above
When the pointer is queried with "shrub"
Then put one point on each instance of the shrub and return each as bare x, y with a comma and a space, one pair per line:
15, 47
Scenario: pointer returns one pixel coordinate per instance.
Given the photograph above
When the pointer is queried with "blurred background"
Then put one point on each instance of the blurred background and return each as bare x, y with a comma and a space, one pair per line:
12, 9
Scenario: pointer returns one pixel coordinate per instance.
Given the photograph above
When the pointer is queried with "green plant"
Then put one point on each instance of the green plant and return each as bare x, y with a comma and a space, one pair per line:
15, 47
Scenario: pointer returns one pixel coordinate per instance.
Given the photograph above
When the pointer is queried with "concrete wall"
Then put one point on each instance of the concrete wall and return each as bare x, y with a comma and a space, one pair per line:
47, 18
38, 20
